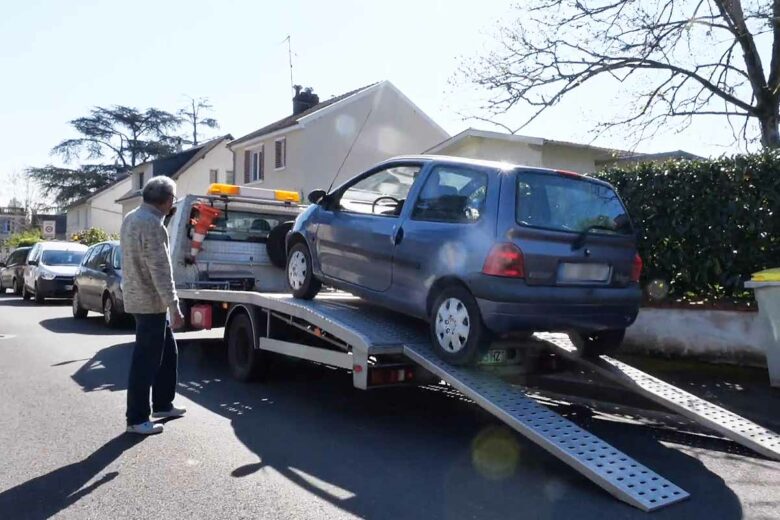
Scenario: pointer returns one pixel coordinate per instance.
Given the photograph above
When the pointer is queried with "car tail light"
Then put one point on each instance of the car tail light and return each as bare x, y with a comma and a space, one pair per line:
636, 268
505, 260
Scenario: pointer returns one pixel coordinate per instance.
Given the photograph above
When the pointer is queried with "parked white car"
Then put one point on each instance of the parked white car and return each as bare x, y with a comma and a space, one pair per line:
50, 270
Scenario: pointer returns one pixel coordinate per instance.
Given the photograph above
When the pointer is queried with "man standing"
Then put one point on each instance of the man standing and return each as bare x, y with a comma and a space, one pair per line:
149, 292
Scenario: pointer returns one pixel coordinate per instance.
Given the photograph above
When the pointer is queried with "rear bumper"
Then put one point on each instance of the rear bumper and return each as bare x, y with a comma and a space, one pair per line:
60, 287
507, 305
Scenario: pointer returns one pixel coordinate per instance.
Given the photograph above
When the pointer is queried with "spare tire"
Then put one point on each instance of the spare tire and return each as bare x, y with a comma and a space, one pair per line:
276, 244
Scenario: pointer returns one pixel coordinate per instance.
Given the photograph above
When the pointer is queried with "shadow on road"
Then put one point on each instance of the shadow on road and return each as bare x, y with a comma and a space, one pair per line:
410, 452
47, 495
90, 326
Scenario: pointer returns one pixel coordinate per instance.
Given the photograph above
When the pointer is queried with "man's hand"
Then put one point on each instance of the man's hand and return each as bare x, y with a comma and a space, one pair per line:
177, 318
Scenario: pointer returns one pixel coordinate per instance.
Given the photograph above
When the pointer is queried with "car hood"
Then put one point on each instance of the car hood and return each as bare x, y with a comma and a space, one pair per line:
61, 270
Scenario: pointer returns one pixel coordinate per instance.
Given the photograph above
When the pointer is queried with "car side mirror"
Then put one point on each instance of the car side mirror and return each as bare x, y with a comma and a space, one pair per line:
317, 196
2, 264
32, 262
103, 267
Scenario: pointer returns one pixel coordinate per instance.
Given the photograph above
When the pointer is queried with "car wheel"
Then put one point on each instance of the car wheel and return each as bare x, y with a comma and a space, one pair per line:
111, 317
458, 334
17, 287
246, 362
39, 299
594, 344
300, 276
276, 244
2, 287
25, 293
79, 312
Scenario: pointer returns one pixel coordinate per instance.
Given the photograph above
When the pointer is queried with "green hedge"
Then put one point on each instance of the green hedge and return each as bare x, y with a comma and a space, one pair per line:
705, 225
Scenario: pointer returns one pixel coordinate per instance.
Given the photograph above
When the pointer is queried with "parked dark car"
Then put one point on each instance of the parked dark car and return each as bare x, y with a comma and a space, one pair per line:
478, 248
12, 271
50, 269
98, 284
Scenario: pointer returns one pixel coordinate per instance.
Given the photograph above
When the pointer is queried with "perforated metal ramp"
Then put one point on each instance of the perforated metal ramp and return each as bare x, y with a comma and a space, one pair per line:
728, 424
616, 472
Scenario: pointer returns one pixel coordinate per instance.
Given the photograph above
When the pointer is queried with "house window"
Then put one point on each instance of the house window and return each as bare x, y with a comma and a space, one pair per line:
6, 226
213, 174
141, 180
281, 153
230, 177
257, 165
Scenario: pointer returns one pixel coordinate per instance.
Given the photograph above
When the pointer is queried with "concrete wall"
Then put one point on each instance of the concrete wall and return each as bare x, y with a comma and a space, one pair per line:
195, 179
562, 157
728, 336
495, 150
316, 148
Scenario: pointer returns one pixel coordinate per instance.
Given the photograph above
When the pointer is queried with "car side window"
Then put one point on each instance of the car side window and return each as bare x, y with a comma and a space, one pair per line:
87, 256
452, 194
96, 258
34, 253
116, 255
381, 193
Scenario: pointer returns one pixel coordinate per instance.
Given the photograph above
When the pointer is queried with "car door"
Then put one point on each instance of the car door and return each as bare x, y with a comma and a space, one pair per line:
357, 228
30, 271
90, 282
447, 231
6, 273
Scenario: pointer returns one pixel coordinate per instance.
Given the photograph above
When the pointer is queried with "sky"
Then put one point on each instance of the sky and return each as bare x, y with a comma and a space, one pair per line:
59, 59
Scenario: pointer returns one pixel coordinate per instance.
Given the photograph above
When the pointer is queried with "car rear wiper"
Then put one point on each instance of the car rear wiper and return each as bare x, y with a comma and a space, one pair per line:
580, 240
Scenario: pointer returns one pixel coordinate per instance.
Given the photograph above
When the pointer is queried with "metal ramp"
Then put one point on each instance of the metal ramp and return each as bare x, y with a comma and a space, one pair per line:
613, 470
728, 424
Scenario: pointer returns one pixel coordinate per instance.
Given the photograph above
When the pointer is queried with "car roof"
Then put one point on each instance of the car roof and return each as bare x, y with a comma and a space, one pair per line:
109, 242
62, 246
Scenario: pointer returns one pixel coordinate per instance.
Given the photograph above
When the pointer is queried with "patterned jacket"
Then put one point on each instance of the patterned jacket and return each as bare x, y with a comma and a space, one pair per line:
147, 278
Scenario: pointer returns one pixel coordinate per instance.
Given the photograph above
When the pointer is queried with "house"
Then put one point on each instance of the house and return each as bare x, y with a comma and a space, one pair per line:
12, 220
193, 170
540, 152
324, 143
98, 209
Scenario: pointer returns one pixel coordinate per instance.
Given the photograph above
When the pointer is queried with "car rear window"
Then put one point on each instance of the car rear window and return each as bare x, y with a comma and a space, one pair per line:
62, 257
243, 226
569, 203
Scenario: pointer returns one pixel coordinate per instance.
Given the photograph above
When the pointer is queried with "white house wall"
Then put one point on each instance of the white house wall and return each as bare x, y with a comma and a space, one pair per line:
100, 211
495, 150
562, 157
195, 180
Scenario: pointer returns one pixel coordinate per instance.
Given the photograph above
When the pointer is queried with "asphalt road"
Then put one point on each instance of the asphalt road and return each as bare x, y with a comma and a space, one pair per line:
305, 444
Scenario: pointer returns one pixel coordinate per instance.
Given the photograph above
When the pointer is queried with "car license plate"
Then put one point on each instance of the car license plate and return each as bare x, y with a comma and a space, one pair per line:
494, 357
68, 287
581, 272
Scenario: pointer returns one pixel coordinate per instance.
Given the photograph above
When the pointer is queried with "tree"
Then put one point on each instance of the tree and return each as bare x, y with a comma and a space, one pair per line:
684, 59
26, 238
28, 195
193, 116
120, 137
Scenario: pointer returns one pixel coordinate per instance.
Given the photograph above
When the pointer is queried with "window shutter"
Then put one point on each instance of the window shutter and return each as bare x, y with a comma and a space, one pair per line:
247, 158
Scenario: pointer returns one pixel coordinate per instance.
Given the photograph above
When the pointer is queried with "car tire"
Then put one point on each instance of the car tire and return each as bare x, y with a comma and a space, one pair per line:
17, 287
594, 344
458, 333
25, 293
2, 287
300, 276
79, 312
39, 299
276, 244
111, 317
245, 361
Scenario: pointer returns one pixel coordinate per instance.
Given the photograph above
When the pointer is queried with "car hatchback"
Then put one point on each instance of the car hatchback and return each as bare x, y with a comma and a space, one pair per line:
478, 248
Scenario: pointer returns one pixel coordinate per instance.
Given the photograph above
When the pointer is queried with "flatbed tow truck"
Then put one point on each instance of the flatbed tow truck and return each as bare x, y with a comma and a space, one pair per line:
381, 348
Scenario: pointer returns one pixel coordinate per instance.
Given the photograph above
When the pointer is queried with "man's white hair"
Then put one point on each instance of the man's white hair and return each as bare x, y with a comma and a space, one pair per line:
159, 189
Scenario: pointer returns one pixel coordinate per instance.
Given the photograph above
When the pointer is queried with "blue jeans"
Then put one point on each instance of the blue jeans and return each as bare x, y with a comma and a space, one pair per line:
154, 365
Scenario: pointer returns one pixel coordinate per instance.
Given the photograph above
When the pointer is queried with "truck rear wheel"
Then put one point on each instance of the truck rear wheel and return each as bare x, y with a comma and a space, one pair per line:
246, 362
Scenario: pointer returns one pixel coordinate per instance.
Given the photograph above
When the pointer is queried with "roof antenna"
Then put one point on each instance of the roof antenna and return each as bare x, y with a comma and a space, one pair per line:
289, 59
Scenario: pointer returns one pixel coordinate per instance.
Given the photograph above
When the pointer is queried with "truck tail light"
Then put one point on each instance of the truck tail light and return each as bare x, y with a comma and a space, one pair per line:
636, 268
505, 259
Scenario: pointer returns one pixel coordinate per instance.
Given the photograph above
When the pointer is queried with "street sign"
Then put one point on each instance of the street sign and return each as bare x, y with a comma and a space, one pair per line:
49, 229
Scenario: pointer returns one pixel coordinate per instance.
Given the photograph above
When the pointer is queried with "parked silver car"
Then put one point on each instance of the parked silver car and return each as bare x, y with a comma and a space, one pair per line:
12, 271
50, 270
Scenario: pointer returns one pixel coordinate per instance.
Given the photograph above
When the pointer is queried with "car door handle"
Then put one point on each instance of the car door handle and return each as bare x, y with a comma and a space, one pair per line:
398, 236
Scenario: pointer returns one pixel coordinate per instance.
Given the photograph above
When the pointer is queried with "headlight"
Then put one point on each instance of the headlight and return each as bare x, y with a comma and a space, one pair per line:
47, 275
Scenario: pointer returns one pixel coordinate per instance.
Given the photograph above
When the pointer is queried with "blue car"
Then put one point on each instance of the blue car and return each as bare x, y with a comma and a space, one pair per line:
479, 249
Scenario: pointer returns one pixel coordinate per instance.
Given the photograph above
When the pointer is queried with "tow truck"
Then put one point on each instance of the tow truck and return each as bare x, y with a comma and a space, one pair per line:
228, 253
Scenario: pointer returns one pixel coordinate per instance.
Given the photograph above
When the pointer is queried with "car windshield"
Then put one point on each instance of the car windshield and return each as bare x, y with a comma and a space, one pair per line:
62, 257
244, 226
569, 203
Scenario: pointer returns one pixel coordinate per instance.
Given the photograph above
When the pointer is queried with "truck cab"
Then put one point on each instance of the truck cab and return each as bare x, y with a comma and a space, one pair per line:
243, 247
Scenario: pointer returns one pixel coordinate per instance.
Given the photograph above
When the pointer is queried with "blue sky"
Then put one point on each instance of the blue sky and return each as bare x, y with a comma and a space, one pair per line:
58, 59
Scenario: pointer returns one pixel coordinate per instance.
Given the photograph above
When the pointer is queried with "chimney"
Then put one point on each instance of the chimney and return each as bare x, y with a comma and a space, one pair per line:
304, 99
